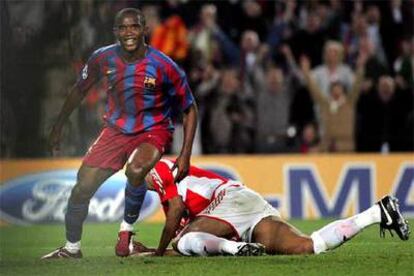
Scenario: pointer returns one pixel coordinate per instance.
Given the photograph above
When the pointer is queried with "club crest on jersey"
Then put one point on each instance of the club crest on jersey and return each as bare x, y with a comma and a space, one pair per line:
149, 82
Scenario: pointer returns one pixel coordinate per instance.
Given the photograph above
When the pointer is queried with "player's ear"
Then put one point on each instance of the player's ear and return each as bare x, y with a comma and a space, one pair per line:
115, 32
146, 31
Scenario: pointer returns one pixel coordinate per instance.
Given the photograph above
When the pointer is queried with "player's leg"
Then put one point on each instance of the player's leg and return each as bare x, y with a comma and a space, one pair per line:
282, 238
208, 236
102, 160
385, 212
141, 161
279, 237
89, 179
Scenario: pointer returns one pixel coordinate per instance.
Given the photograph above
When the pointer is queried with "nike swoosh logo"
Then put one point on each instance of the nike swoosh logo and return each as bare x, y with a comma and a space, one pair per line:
389, 220
131, 216
110, 72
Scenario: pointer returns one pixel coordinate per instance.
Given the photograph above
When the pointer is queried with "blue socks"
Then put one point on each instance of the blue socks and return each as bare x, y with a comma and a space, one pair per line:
134, 197
76, 213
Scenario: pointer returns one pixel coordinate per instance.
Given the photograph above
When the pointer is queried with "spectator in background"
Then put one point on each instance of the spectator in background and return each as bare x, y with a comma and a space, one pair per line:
310, 40
252, 53
201, 37
309, 141
283, 24
170, 37
384, 123
396, 23
274, 94
332, 17
404, 65
231, 120
253, 18
337, 110
373, 19
205, 93
374, 68
352, 35
332, 70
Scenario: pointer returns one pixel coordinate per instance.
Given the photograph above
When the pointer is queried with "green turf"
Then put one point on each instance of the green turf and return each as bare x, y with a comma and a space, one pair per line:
367, 254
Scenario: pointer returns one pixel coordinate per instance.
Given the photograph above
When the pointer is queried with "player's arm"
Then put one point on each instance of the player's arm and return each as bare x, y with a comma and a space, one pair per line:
189, 128
87, 78
183, 101
72, 101
173, 217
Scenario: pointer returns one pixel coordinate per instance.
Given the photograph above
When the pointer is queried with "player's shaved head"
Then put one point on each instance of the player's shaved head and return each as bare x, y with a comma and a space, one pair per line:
129, 12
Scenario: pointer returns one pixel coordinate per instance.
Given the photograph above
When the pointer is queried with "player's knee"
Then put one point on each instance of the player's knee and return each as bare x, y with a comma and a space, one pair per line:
186, 245
136, 173
81, 193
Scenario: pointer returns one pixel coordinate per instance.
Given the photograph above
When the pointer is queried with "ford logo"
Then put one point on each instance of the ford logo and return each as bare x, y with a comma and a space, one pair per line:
42, 198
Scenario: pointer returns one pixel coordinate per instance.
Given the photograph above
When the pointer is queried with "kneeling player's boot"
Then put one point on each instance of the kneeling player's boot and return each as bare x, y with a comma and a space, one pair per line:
124, 246
251, 249
392, 219
62, 253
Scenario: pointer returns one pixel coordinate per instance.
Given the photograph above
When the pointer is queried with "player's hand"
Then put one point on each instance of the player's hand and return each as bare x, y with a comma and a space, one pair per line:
180, 168
157, 253
54, 140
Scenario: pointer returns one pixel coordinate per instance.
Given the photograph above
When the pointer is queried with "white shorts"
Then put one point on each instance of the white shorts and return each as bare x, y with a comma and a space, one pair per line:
240, 207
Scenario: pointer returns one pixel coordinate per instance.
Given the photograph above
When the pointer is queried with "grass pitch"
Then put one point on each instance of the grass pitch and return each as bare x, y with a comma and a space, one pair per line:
367, 254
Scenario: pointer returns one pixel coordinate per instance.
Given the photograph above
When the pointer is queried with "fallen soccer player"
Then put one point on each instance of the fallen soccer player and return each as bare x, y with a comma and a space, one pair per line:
227, 218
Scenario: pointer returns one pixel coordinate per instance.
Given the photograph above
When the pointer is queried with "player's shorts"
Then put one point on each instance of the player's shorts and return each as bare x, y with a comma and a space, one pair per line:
239, 207
112, 148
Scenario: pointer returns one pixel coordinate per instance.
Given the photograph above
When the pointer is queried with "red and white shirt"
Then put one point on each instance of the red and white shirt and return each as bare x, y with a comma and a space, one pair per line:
196, 189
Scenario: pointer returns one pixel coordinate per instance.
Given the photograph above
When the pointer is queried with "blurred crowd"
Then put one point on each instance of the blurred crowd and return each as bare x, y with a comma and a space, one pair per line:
269, 76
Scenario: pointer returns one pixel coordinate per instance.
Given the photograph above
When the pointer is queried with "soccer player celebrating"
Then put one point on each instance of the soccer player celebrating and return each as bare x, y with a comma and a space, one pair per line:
229, 218
146, 89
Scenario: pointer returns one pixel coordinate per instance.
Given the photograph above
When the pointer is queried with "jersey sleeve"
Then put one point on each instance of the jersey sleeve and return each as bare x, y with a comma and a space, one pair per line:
170, 190
165, 182
90, 74
180, 89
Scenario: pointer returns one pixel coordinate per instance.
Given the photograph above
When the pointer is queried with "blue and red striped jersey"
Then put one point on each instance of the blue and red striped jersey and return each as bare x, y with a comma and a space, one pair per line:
142, 95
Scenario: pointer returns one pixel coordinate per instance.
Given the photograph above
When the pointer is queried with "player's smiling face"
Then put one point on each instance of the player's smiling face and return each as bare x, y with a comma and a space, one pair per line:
130, 32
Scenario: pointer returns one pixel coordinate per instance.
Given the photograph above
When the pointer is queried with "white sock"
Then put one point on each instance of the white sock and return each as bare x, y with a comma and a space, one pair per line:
340, 231
125, 226
204, 244
370, 216
73, 247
